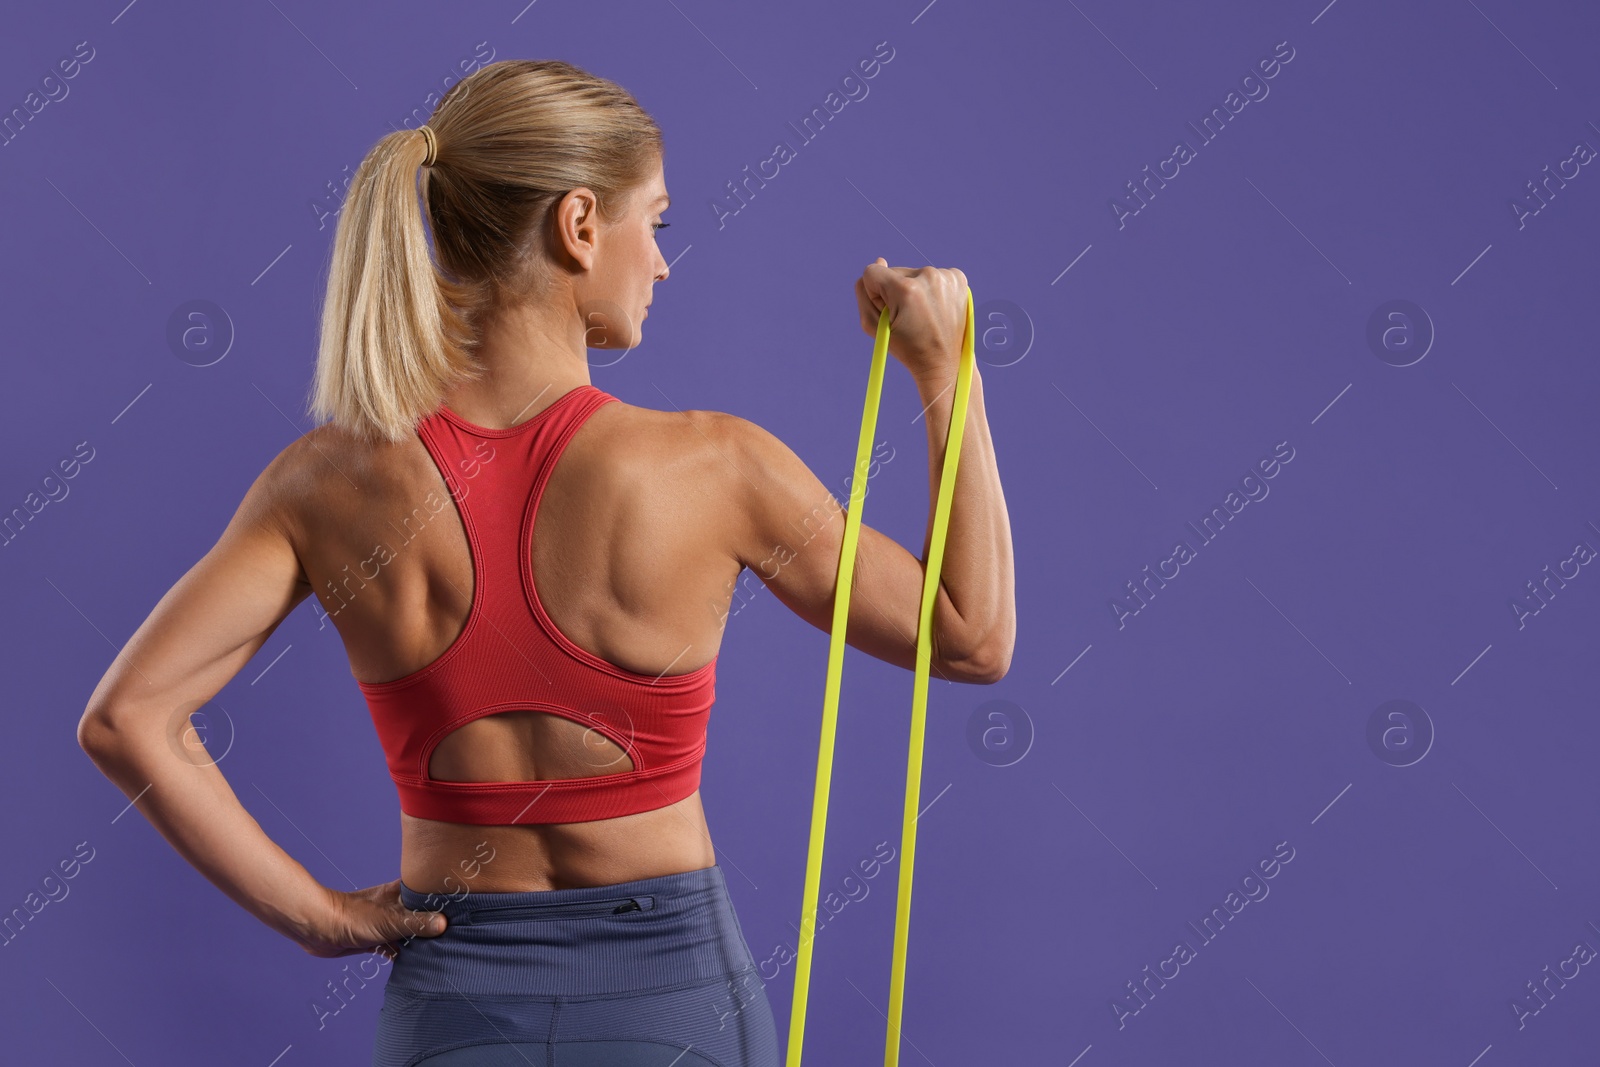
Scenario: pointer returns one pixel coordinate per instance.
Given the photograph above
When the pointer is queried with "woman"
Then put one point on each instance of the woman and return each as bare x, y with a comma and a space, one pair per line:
542, 700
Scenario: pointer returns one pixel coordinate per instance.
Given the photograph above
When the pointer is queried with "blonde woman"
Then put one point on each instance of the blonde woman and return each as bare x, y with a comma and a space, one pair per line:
541, 689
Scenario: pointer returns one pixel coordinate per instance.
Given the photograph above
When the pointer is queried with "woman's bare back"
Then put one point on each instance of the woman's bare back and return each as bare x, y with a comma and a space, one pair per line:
629, 564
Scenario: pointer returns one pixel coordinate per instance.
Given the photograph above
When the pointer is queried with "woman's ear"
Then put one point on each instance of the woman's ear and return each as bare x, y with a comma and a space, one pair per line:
577, 224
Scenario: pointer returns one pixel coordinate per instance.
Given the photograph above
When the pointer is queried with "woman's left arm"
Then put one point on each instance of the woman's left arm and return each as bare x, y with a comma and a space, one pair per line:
203, 631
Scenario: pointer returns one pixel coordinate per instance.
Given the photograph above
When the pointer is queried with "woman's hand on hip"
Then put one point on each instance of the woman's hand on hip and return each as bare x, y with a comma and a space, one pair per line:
368, 920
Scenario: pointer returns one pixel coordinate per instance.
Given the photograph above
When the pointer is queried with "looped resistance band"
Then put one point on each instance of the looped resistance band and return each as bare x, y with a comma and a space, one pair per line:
919, 692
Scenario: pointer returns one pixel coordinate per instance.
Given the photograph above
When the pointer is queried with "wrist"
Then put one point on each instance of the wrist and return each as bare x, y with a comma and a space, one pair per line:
933, 383
304, 915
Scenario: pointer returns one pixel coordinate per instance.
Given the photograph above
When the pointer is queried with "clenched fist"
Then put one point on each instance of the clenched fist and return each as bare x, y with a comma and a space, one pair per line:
927, 315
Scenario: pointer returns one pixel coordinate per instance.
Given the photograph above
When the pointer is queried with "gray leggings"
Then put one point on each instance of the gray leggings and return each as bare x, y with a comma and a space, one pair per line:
650, 972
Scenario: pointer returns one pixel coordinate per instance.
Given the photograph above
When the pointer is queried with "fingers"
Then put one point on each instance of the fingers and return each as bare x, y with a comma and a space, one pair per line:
406, 925
875, 279
374, 920
872, 293
422, 923
868, 306
399, 925
880, 286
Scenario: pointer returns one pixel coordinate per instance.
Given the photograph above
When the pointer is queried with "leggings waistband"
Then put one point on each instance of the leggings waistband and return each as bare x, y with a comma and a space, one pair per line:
588, 940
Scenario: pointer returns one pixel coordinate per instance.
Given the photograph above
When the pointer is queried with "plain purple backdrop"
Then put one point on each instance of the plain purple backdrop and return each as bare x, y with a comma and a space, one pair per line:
1138, 365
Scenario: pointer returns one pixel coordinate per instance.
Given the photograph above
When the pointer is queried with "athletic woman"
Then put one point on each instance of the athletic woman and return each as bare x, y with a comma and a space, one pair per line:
541, 689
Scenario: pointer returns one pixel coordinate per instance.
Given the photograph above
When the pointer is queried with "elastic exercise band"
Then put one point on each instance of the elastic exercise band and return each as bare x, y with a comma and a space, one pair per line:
919, 697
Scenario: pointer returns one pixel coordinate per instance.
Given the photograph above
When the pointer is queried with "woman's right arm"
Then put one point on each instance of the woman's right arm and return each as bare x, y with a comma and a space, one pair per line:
789, 529
136, 730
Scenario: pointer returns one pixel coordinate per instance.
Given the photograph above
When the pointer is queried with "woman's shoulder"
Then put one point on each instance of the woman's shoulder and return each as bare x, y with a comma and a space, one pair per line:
324, 452
671, 438
329, 471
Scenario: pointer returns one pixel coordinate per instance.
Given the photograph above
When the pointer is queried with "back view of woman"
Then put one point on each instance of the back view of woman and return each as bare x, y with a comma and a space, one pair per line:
530, 578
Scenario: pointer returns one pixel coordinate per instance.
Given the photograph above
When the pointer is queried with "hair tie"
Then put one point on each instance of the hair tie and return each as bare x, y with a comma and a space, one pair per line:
433, 145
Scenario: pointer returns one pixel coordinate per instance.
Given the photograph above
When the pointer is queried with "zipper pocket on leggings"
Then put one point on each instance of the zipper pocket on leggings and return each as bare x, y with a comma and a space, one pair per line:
577, 909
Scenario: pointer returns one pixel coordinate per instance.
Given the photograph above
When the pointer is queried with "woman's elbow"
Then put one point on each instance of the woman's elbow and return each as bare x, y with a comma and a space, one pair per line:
97, 732
993, 658
992, 664
986, 664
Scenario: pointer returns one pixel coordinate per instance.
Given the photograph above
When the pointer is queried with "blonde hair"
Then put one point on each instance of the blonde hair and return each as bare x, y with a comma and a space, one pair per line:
398, 331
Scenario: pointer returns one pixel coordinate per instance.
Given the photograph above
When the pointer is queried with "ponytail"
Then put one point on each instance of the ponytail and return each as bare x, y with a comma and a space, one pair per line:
398, 331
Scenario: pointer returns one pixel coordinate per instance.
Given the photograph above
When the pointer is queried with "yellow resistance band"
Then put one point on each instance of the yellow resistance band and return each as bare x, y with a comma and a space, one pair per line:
919, 697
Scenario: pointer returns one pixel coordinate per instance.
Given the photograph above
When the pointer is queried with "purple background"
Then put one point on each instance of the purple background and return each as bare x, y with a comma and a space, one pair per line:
1230, 314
